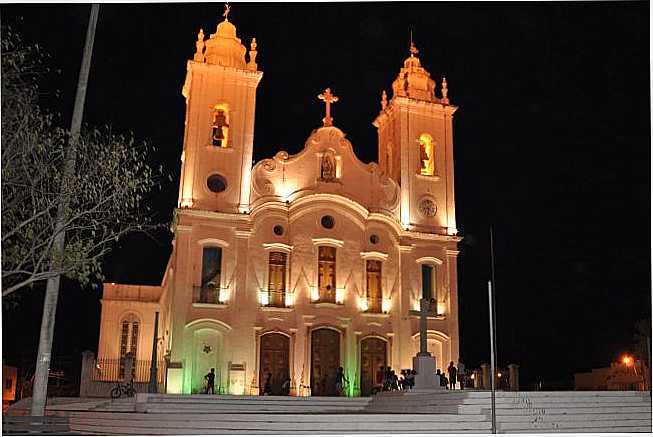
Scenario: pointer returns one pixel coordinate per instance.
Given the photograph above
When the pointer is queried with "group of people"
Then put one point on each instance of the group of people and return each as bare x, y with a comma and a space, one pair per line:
387, 379
456, 374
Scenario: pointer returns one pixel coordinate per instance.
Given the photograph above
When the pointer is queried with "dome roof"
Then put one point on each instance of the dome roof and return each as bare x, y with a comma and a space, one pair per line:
224, 48
414, 81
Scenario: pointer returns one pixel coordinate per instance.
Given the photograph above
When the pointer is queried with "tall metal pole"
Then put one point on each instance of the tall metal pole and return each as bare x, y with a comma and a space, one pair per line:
492, 388
41, 374
494, 288
152, 386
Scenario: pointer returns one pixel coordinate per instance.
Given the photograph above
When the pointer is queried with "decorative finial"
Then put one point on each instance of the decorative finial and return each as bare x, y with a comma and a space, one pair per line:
445, 91
327, 98
413, 49
199, 54
227, 9
252, 55
384, 100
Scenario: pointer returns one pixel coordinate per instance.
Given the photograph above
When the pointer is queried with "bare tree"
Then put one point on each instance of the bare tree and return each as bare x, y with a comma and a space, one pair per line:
110, 180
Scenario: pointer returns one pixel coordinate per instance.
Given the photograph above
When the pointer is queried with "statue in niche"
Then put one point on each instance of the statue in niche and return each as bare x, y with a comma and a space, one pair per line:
426, 155
328, 167
219, 128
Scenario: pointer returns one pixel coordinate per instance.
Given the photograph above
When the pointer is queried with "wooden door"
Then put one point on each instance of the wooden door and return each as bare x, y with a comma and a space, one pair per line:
373, 356
275, 359
325, 360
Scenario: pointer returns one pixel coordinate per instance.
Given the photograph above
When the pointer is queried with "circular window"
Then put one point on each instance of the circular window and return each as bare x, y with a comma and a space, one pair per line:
328, 222
216, 183
374, 239
278, 230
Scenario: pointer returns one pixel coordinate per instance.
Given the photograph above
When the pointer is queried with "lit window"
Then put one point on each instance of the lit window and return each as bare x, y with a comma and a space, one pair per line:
209, 291
374, 292
128, 342
426, 155
429, 286
220, 127
326, 281
277, 279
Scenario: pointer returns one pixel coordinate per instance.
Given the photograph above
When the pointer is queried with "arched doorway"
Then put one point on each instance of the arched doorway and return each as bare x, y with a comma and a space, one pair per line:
325, 360
275, 359
374, 352
206, 349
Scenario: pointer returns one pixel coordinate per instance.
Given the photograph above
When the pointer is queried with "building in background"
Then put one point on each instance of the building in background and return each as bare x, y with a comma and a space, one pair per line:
9, 380
299, 264
627, 374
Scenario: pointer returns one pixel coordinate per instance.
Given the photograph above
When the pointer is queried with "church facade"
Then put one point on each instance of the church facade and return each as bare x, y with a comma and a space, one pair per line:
304, 263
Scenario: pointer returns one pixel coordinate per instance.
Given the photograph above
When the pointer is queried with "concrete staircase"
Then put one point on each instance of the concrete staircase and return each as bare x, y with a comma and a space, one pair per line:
527, 412
425, 413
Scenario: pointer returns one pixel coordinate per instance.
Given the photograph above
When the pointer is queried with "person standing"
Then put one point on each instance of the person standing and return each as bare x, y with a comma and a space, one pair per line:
267, 387
210, 381
451, 370
461, 373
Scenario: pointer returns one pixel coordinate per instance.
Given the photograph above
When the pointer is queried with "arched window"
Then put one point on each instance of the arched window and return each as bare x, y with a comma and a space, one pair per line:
129, 330
374, 291
209, 291
431, 269
326, 280
426, 155
277, 279
220, 126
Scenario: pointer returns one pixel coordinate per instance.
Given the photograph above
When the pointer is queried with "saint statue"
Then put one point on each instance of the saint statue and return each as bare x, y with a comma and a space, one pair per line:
328, 171
219, 123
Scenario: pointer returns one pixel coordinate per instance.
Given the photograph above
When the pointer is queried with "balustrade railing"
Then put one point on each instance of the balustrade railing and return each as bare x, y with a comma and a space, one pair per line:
208, 295
274, 299
374, 305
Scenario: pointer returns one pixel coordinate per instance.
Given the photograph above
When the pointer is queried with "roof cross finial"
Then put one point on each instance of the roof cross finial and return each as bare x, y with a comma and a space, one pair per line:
413, 49
328, 98
227, 9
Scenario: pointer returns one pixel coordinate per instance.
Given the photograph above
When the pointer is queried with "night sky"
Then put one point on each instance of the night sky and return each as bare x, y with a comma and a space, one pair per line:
551, 142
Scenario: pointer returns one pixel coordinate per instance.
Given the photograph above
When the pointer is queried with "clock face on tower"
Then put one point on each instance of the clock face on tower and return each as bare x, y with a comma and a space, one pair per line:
427, 207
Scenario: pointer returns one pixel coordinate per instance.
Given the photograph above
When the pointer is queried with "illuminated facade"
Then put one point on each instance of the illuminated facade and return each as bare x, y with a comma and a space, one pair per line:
304, 263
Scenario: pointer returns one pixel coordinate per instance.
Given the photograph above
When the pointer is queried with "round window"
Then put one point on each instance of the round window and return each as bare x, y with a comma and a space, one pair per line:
374, 239
278, 230
328, 222
216, 183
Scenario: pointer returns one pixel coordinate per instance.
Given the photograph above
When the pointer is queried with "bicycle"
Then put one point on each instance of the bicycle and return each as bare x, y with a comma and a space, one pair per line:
126, 389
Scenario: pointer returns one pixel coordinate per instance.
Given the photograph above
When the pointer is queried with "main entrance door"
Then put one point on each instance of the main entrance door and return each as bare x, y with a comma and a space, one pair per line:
373, 356
325, 360
275, 351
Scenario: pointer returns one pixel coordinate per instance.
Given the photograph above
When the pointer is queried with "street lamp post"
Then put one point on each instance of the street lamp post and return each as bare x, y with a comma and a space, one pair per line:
152, 387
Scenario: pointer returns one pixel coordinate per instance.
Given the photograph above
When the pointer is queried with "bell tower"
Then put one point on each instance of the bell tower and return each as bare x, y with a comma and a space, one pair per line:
416, 148
220, 92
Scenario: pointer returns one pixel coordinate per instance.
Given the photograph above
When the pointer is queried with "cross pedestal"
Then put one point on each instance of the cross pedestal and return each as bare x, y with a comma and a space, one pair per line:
424, 364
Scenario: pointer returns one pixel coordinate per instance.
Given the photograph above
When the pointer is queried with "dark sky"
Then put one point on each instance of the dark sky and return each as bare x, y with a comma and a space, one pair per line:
551, 141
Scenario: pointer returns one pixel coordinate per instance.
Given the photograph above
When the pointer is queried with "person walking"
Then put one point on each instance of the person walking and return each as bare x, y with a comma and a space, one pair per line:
461, 373
210, 381
340, 381
451, 370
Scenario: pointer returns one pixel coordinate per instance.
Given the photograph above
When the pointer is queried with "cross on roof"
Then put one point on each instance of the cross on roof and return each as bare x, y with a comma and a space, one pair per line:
328, 98
227, 9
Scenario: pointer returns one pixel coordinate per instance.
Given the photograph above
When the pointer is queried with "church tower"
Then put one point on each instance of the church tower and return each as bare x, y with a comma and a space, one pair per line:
220, 92
416, 148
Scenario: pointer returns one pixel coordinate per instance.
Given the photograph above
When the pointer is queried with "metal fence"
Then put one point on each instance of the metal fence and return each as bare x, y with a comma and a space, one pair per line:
113, 370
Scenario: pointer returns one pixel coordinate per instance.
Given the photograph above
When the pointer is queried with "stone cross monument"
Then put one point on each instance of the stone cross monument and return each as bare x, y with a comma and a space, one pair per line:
424, 363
